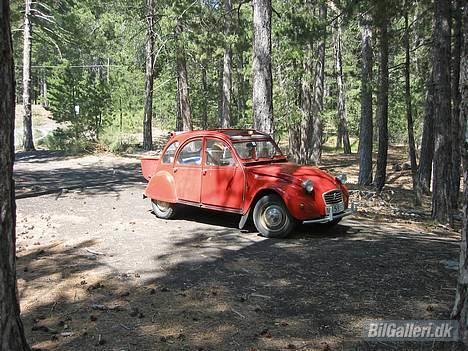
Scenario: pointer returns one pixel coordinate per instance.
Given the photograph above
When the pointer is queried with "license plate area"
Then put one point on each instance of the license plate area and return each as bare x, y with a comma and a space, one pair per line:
335, 208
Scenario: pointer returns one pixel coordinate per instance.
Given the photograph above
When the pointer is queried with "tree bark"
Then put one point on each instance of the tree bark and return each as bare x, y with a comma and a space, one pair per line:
424, 173
382, 103
304, 133
240, 87
205, 96
409, 112
366, 127
179, 125
184, 99
11, 327
457, 133
220, 68
262, 75
294, 142
460, 309
43, 90
227, 67
441, 182
343, 136
28, 142
318, 94
149, 77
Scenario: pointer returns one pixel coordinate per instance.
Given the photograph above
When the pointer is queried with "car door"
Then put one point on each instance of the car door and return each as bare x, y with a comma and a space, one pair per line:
222, 177
187, 171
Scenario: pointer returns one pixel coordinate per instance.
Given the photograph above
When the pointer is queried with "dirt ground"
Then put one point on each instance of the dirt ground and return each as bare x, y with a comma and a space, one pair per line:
98, 271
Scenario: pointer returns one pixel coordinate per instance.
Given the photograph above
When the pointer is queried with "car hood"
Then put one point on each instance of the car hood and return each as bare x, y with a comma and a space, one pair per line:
293, 172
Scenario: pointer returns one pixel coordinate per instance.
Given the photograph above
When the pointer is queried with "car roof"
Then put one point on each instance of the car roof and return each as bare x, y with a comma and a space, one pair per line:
226, 133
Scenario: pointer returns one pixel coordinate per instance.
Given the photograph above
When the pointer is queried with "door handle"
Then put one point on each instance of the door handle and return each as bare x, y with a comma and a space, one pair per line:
175, 170
204, 172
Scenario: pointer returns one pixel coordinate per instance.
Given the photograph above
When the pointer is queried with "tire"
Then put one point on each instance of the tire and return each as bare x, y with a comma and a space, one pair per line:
271, 217
163, 210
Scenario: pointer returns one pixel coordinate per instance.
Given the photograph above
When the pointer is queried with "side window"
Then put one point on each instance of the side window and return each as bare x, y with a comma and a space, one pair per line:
218, 154
169, 155
190, 153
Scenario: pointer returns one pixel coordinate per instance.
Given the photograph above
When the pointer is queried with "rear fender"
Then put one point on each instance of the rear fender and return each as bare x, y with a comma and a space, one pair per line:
149, 166
162, 187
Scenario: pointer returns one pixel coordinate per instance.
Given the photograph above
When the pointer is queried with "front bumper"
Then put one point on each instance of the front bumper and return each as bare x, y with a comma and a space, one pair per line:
331, 217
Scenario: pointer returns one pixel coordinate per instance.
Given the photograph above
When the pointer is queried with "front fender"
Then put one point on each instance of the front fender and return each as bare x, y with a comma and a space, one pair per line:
283, 190
300, 205
162, 187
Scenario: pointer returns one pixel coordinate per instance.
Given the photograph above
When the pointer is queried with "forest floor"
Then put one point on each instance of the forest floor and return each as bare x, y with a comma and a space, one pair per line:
98, 271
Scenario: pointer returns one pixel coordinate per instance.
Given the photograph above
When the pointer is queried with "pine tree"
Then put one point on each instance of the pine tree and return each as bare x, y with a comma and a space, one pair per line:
262, 75
366, 123
442, 179
11, 331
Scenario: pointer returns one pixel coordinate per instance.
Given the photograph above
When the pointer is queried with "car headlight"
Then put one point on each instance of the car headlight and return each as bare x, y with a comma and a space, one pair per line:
342, 178
308, 185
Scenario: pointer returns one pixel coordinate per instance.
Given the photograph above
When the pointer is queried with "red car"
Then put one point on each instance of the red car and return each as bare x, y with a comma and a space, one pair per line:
244, 172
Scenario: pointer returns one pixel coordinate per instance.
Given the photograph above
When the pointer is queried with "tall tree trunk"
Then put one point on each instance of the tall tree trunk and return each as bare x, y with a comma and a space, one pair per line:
424, 173
28, 143
441, 182
460, 309
262, 75
205, 96
409, 112
227, 66
457, 133
343, 136
149, 77
220, 68
11, 327
179, 126
366, 127
382, 103
43, 90
240, 87
318, 94
304, 133
294, 142
184, 100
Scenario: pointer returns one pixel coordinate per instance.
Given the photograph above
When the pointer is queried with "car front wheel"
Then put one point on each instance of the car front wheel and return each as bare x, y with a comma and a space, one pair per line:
272, 218
164, 210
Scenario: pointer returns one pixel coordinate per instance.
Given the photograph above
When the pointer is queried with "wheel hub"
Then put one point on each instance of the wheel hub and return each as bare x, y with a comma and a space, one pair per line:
273, 216
163, 206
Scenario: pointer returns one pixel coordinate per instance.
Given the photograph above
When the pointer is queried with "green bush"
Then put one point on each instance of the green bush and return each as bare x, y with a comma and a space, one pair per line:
66, 139
112, 140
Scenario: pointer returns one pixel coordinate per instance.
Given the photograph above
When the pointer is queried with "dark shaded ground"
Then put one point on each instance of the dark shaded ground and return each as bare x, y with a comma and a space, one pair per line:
98, 272
71, 174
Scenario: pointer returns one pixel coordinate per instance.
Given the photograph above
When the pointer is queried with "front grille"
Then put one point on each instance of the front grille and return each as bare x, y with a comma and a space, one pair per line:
333, 197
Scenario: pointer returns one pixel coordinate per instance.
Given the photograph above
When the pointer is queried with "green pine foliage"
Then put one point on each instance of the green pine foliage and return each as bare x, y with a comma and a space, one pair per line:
93, 56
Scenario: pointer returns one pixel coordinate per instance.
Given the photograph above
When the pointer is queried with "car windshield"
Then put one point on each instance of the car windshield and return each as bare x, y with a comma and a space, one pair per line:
254, 150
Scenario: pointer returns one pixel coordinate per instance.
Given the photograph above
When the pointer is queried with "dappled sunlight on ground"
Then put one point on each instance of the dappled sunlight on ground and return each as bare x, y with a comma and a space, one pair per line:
98, 271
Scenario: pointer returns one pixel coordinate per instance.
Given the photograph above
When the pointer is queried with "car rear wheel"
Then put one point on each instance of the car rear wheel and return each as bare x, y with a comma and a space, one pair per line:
272, 218
164, 210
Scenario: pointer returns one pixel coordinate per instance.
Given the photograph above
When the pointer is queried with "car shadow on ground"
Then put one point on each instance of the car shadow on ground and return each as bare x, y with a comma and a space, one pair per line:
229, 220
